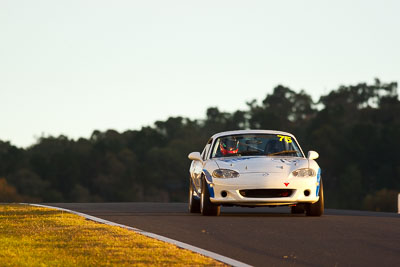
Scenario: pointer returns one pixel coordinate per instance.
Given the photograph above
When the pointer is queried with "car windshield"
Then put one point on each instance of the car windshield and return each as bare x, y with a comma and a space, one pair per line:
256, 145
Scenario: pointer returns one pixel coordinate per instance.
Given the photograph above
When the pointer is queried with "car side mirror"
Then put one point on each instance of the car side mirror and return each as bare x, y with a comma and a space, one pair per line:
312, 155
195, 156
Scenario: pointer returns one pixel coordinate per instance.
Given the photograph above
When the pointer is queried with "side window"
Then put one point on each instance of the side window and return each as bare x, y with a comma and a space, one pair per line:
205, 153
215, 153
205, 150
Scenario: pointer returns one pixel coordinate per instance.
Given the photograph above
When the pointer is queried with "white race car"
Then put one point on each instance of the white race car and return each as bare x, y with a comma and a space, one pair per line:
255, 168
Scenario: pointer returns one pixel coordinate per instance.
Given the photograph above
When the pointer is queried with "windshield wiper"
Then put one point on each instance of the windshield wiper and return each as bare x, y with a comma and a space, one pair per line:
283, 152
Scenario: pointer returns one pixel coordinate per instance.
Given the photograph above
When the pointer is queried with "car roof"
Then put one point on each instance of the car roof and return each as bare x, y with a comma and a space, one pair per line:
250, 132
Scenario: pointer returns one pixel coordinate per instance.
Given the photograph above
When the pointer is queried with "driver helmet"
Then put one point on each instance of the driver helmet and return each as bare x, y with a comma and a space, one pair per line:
229, 146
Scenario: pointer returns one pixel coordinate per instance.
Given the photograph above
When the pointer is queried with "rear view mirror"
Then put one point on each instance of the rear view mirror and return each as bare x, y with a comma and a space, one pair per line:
195, 156
312, 155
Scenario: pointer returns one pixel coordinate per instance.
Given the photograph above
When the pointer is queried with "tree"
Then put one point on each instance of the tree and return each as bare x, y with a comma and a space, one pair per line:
355, 129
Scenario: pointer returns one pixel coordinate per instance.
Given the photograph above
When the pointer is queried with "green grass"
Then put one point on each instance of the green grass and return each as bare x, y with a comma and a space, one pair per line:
33, 236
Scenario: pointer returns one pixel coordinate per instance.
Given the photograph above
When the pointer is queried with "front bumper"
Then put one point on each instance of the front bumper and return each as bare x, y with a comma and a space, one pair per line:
227, 191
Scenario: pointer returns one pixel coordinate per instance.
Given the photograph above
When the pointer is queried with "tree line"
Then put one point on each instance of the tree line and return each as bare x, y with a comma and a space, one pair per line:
355, 129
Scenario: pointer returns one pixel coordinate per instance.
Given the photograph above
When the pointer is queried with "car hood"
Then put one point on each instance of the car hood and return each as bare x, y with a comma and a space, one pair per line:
261, 164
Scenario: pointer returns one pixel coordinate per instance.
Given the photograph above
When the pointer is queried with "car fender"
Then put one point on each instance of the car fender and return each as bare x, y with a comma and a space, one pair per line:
208, 169
314, 165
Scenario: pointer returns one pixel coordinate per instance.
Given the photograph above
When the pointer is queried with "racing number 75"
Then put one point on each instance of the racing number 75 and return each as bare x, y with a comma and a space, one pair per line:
288, 139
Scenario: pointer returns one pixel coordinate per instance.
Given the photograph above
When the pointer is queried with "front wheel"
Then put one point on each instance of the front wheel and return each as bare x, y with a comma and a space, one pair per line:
194, 202
317, 208
207, 208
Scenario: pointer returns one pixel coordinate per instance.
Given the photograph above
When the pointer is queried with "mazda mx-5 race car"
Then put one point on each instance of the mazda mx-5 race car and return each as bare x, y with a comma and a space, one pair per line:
255, 168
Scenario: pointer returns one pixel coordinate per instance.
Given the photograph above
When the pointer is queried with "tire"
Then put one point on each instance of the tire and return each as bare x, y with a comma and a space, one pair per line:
317, 208
194, 203
207, 208
298, 209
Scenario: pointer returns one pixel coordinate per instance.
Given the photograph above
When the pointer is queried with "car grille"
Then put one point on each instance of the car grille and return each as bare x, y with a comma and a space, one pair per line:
266, 193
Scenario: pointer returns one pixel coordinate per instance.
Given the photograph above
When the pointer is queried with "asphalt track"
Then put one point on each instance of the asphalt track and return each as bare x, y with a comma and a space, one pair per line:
266, 236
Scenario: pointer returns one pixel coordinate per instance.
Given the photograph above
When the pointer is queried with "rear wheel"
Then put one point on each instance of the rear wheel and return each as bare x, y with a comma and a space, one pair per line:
298, 209
194, 202
317, 208
207, 208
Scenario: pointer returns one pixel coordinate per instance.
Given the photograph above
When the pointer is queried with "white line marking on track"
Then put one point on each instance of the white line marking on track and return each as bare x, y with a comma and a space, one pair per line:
177, 243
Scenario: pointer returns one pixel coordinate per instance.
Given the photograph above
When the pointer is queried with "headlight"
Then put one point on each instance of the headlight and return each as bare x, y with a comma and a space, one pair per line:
225, 173
303, 172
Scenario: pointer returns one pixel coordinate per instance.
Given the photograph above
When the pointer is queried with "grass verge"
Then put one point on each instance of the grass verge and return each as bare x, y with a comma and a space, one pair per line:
34, 236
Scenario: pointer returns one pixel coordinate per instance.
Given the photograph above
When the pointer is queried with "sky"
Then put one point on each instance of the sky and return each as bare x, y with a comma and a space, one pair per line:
73, 66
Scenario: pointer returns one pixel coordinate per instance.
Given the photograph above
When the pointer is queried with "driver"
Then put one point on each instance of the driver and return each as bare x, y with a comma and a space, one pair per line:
229, 146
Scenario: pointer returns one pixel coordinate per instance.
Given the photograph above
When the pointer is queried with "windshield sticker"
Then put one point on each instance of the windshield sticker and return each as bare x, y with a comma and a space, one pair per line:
288, 139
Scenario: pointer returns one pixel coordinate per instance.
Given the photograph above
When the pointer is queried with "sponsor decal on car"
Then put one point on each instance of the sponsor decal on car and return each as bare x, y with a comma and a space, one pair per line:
234, 159
318, 180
